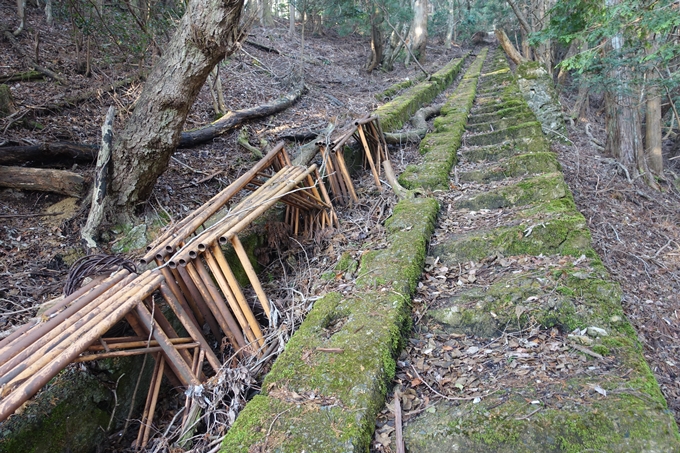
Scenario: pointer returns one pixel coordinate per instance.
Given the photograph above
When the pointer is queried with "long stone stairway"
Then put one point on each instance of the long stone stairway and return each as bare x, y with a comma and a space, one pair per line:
524, 346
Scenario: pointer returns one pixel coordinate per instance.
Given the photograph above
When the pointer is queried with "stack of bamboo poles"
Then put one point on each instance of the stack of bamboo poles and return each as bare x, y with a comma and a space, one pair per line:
37, 351
366, 131
193, 263
192, 277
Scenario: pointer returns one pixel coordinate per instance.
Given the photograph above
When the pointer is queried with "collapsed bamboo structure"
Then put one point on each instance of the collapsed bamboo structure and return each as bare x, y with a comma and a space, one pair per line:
368, 133
189, 274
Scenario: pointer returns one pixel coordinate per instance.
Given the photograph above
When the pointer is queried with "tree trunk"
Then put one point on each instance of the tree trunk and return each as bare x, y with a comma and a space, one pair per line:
509, 49
58, 181
208, 31
653, 133
291, 19
418, 35
376, 40
450, 23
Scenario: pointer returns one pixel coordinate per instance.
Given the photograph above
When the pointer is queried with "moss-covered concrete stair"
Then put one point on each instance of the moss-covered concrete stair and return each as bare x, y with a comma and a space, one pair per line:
510, 204
324, 392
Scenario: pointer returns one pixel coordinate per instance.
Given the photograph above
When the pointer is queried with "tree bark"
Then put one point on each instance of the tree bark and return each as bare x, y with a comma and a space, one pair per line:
418, 35
208, 31
43, 180
509, 49
48, 154
376, 40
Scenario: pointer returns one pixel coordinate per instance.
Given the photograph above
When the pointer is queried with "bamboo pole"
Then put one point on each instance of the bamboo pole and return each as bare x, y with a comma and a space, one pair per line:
135, 344
200, 303
19, 341
192, 329
14, 372
36, 379
175, 360
219, 302
376, 175
324, 193
231, 336
164, 325
246, 319
199, 216
60, 305
340, 157
130, 352
252, 275
26, 349
156, 378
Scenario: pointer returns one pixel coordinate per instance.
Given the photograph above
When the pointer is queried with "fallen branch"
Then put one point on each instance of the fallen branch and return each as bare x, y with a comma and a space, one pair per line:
307, 152
509, 48
243, 141
48, 153
99, 185
400, 190
48, 72
419, 123
87, 94
44, 180
234, 119
21, 76
262, 47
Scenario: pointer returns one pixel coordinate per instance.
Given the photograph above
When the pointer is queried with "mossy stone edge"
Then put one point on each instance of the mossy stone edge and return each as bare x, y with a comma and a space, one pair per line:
324, 392
634, 420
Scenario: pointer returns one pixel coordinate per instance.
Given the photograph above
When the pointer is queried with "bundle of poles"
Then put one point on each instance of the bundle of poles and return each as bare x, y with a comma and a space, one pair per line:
368, 133
189, 274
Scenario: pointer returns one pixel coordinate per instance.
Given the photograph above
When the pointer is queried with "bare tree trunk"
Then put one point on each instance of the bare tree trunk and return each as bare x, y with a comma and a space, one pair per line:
418, 35
376, 39
208, 31
509, 49
450, 23
653, 133
291, 18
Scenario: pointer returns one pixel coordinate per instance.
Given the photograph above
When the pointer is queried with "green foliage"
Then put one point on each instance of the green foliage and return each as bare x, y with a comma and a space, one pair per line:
132, 27
639, 35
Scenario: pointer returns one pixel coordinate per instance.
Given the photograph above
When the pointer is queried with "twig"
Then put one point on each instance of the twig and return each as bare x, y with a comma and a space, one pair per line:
449, 398
526, 417
585, 350
397, 425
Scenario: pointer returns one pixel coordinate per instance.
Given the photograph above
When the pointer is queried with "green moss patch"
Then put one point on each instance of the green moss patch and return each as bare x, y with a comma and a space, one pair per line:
519, 165
396, 112
533, 190
325, 390
519, 132
497, 105
499, 124
440, 147
547, 233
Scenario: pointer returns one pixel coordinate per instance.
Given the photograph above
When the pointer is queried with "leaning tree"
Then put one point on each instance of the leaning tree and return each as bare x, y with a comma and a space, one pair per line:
206, 34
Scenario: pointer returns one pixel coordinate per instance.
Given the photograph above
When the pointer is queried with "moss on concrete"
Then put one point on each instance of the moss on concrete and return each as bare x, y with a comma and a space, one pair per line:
396, 112
499, 114
495, 153
324, 392
440, 147
550, 228
72, 413
533, 190
514, 133
515, 166
491, 107
499, 124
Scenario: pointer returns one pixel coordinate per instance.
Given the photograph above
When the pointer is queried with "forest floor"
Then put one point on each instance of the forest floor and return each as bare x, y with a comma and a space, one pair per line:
635, 229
